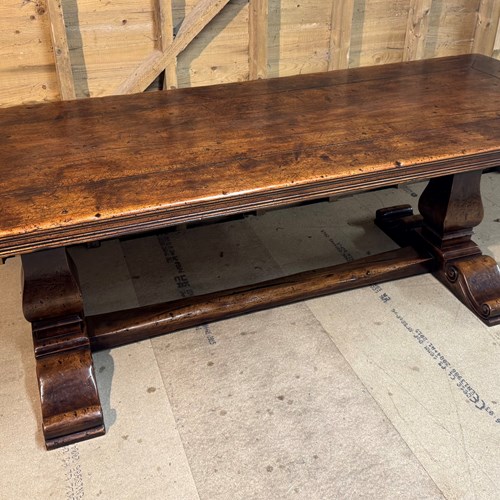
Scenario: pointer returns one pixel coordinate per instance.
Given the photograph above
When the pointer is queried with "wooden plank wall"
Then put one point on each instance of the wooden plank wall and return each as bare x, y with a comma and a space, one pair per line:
116, 46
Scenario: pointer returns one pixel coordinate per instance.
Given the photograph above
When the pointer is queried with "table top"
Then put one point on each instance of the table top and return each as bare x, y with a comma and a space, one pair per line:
84, 170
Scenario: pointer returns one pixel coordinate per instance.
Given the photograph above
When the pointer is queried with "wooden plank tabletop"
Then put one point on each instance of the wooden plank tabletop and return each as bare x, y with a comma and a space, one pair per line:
84, 170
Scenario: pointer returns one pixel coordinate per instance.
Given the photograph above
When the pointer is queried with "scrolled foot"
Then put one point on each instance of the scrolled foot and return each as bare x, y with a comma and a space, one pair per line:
53, 304
476, 282
71, 410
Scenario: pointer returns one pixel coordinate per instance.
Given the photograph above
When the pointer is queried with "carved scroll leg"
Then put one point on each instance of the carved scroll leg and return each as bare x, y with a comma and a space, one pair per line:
53, 303
450, 208
476, 282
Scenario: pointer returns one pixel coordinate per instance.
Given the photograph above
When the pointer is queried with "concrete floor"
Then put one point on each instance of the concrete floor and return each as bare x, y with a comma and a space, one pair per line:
355, 395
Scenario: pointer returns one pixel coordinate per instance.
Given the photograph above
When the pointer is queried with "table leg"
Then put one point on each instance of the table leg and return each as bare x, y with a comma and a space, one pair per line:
52, 302
450, 208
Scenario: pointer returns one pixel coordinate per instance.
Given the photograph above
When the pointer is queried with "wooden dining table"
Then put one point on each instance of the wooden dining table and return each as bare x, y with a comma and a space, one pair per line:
82, 171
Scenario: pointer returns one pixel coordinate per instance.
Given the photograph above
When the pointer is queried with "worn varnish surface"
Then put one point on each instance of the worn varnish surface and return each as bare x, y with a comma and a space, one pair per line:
85, 170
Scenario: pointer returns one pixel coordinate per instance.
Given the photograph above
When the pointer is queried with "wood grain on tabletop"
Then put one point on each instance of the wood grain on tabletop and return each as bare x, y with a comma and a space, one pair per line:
88, 169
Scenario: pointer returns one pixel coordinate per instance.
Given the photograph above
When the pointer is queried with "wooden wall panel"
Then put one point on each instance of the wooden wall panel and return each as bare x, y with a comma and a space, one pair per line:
109, 39
340, 34
27, 71
496, 47
164, 38
378, 32
60, 50
220, 53
258, 18
416, 29
451, 27
299, 36
488, 16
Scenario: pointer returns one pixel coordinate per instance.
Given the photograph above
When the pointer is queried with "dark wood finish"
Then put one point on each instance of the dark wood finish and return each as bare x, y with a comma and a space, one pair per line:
450, 208
79, 171
82, 171
121, 327
476, 282
52, 302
